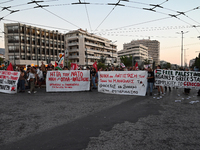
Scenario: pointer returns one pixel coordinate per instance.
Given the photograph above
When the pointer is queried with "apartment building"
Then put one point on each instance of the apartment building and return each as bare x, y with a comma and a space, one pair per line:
152, 45
26, 44
85, 48
139, 52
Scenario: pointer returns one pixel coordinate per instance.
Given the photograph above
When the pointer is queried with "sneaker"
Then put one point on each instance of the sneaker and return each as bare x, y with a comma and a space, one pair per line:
150, 93
29, 92
35, 92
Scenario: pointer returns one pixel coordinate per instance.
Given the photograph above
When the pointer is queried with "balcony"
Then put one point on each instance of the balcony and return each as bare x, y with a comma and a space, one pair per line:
92, 57
72, 44
73, 56
73, 50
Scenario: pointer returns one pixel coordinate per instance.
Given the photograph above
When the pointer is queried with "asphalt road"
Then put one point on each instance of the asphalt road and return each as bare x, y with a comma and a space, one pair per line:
76, 135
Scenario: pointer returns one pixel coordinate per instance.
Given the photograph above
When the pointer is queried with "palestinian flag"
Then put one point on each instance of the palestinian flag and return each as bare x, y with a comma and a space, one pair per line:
157, 71
58, 67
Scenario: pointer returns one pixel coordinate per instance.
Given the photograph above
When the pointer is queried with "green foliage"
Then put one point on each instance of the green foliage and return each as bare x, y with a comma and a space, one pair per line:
101, 65
69, 64
102, 59
127, 61
1, 60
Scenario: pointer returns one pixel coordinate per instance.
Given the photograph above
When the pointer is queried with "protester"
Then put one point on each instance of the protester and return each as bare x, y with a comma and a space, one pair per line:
166, 86
160, 88
40, 76
90, 78
32, 78
150, 80
22, 78
65, 68
187, 90
93, 76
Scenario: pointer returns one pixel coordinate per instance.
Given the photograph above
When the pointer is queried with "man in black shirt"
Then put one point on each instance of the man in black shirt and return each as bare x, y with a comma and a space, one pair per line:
150, 80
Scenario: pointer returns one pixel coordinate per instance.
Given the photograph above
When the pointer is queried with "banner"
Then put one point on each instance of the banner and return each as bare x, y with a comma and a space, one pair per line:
123, 82
175, 78
67, 80
8, 81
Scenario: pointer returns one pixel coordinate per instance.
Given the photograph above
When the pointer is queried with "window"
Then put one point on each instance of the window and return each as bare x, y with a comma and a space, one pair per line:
27, 40
28, 49
27, 30
12, 49
23, 57
22, 29
13, 29
38, 33
33, 32
22, 39
22, 49
13, 39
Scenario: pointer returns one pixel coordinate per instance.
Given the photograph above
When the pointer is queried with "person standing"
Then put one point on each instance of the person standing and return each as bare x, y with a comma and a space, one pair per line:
150, 80
93, 76
22, 80
90, 78
32, 78
40, 76
160, 88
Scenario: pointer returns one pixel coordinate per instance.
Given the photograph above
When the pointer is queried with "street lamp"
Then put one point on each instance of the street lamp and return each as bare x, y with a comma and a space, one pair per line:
182, 46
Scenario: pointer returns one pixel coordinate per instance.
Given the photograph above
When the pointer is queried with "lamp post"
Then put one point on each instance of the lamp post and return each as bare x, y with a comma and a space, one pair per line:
182, 46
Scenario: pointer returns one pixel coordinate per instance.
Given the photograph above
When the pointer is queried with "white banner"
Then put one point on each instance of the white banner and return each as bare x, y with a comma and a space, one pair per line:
67, 80
176, 78
123, 82
8, 81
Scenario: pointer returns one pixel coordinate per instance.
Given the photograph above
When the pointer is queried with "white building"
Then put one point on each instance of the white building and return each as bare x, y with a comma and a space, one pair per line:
85, 48
139, 52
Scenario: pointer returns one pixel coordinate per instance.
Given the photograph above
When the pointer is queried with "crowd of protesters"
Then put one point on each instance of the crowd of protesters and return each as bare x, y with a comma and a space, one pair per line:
37, 75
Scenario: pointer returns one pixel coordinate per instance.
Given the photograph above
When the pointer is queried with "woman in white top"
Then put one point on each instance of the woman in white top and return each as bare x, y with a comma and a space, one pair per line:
32, 78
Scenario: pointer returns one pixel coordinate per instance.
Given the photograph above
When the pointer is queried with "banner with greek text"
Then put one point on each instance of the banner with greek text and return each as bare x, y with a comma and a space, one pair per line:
123, 82
176, 78
8, 81
67, 80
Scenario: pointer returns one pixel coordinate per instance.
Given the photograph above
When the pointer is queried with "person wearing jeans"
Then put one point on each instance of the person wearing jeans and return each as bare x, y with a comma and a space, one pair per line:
93, 74
150, 80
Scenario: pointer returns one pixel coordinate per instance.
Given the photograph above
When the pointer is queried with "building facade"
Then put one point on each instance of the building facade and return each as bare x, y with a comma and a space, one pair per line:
139, 52
25, 45
152, 45
85, 48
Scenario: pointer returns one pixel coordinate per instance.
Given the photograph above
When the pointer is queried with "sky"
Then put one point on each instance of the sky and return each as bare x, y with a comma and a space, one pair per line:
127, 21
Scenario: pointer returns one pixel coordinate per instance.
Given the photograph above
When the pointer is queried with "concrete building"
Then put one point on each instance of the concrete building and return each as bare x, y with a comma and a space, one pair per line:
152, 45
85, 48
31, 45
139, 52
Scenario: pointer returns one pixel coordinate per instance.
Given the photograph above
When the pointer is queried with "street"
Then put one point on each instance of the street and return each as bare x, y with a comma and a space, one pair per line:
92, 120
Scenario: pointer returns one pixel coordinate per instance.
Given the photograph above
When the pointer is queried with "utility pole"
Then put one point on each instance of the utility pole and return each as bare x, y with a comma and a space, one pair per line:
182, 46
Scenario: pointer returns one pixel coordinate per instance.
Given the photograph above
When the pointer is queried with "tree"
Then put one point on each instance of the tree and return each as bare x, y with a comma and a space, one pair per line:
1, 60
102, 59
127, 61
101, 65
197, 62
